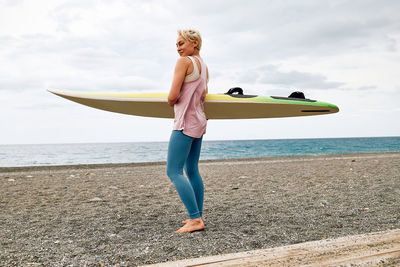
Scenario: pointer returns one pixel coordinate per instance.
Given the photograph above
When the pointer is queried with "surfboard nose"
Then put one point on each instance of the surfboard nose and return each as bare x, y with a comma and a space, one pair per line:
54, 91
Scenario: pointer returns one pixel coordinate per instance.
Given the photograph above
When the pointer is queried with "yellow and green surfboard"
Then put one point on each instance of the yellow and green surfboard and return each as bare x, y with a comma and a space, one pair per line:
216, 106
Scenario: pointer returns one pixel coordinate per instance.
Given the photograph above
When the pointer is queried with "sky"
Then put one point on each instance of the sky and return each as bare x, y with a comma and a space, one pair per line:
345, 52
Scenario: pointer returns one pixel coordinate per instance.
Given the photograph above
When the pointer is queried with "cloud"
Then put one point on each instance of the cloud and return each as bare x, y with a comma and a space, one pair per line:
272, 75
315, 29
367, 88
123, 39
93, 45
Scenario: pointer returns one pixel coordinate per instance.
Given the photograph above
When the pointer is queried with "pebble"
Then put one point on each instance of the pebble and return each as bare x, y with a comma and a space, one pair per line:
324, 203
95, 199
11, 180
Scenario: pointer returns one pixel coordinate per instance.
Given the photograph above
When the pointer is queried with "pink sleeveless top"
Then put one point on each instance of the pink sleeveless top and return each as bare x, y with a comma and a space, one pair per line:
189, 109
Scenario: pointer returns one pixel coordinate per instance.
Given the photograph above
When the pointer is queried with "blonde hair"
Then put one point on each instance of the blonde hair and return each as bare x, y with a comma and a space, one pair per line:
191, 35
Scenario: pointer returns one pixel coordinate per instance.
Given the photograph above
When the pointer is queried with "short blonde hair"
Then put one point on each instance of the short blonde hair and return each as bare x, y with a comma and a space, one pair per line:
191, 35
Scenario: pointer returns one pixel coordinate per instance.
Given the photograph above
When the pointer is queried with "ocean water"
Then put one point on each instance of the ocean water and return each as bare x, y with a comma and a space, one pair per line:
96, 153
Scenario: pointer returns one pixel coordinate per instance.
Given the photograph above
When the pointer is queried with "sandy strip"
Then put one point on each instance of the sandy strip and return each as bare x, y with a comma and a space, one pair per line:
381, 248
126, 214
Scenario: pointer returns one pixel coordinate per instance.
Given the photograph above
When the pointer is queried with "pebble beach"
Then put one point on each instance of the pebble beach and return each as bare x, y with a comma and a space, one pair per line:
126, 214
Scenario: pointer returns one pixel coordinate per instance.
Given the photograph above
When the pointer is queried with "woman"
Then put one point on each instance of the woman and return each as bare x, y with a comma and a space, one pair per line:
187, 94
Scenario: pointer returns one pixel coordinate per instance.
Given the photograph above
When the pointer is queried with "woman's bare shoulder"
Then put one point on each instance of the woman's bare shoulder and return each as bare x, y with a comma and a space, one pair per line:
183, 61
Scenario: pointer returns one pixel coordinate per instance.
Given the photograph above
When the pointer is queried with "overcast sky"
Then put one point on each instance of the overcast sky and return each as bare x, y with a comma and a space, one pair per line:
343, 52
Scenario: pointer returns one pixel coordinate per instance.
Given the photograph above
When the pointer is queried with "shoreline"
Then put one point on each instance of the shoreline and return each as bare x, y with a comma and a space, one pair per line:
154, 163
126, 214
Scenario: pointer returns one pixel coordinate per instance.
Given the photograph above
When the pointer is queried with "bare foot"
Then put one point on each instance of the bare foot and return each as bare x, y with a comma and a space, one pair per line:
191, 226
185, 221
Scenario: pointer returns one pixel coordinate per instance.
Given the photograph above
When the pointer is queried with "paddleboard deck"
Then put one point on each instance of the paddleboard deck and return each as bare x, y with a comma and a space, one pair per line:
216, 106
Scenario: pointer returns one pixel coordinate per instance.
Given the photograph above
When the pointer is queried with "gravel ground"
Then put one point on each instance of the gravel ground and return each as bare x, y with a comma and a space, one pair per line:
126, 214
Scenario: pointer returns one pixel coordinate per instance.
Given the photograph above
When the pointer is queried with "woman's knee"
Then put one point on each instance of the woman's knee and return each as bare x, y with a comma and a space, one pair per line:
174, 172
171, 173
192, 172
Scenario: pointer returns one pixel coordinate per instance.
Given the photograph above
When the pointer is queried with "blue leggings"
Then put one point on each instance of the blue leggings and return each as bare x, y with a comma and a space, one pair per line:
184, 151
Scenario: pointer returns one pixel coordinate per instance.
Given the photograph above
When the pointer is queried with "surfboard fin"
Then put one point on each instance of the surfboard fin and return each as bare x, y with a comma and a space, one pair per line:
234, 90
297, 94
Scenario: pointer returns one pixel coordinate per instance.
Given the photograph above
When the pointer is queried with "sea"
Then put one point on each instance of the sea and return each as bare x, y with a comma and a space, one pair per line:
102, 153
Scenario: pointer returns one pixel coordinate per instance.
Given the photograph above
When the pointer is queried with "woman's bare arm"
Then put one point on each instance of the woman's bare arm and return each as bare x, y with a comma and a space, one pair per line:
179, 76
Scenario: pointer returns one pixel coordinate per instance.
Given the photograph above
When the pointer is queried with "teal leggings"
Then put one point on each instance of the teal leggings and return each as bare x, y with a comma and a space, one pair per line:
184, 152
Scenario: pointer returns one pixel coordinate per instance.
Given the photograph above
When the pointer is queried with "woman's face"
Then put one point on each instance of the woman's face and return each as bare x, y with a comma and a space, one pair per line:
184, 47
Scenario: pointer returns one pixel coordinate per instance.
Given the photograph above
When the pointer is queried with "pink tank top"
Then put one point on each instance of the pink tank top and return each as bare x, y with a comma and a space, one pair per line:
189, 109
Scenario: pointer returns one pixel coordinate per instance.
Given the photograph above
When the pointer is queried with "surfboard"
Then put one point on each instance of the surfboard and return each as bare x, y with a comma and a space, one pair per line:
216, 106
